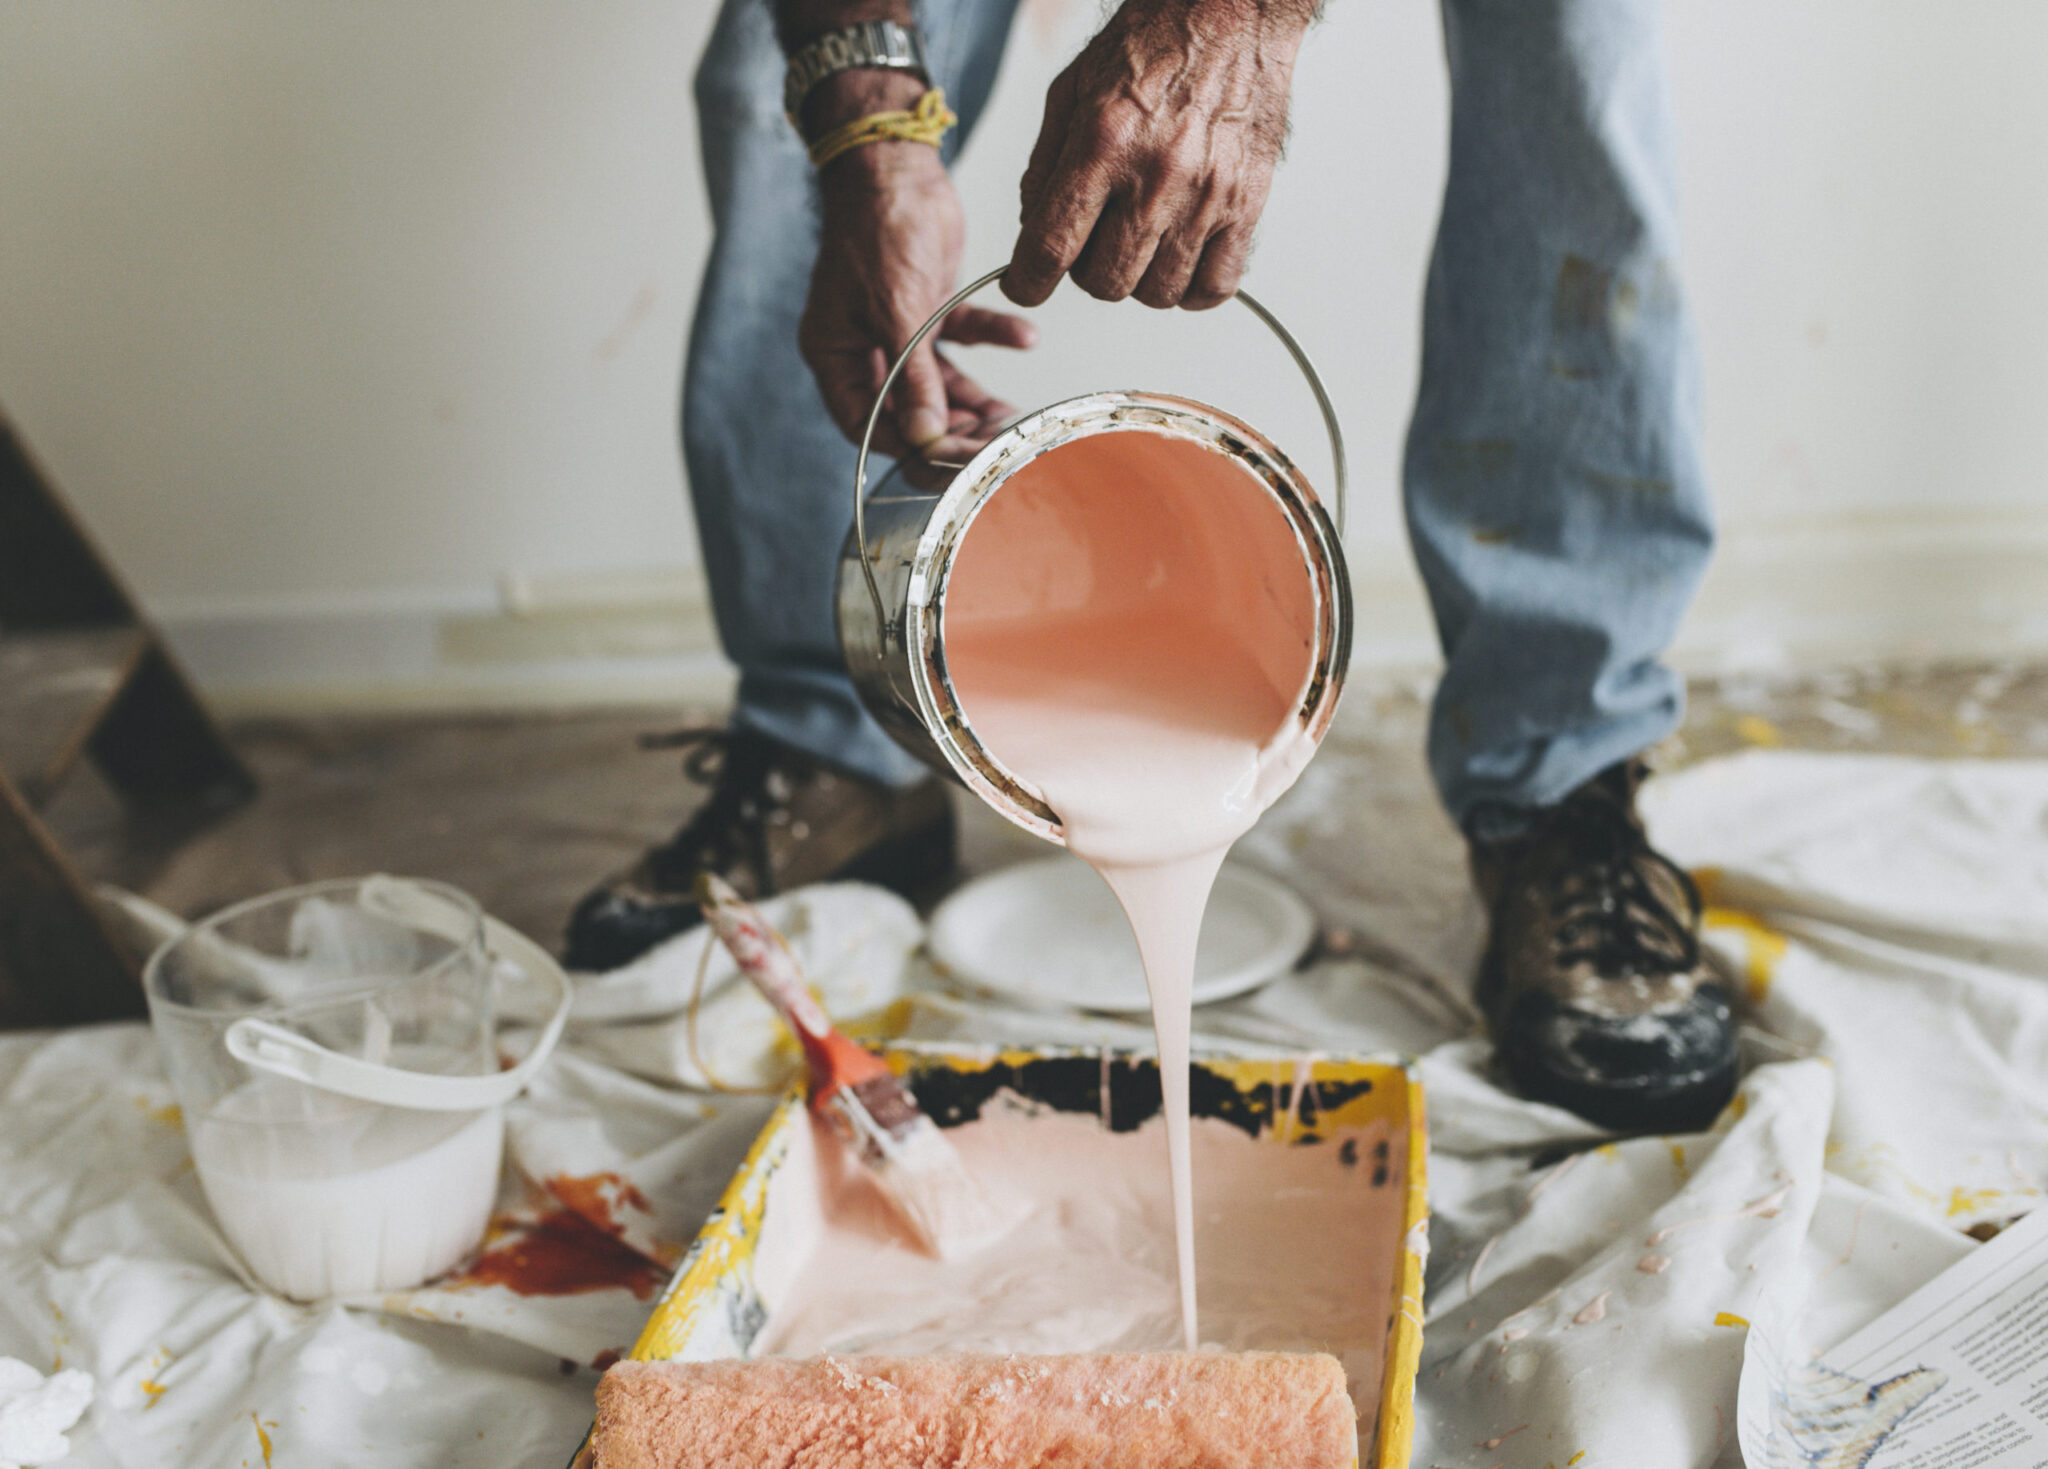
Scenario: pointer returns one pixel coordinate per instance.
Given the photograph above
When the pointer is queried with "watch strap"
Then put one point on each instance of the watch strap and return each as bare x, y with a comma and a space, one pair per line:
884, 44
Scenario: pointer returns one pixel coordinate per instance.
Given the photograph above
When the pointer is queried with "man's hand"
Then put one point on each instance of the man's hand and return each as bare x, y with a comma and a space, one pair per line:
1157, 152
888, 257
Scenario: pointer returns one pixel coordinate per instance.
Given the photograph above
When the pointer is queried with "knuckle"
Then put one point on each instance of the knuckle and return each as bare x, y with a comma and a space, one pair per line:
1029, 279
1034, 261
1113, 130
1101, 282
1061, 238
1186, 156
1053, 246
1223, 282
1154, 293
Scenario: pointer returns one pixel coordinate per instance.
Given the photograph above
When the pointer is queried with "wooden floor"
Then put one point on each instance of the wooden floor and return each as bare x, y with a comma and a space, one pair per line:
527, 812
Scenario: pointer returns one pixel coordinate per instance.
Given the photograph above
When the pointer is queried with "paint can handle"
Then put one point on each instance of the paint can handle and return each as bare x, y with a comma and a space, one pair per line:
860, 468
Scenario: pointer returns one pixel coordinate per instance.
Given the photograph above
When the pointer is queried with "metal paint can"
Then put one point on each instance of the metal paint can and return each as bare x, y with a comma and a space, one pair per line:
894, 567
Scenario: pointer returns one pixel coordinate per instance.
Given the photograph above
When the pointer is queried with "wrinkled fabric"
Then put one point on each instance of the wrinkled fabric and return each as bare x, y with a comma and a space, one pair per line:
1888, 917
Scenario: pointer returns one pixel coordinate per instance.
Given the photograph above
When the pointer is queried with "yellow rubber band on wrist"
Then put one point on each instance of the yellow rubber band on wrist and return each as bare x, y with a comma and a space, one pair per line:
928, 122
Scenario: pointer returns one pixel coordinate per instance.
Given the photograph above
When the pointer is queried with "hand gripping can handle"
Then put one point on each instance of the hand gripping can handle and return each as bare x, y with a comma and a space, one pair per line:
894, 565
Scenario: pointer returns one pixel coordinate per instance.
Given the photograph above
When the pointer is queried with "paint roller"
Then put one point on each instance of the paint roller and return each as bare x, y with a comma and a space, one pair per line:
1135, 1410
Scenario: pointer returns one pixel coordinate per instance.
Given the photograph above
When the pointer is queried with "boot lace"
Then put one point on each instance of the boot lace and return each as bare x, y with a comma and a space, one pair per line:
1608, 913
729, 832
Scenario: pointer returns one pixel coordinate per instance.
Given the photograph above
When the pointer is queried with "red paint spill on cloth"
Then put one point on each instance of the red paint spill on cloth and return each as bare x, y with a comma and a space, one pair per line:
563, 1254
598, 1197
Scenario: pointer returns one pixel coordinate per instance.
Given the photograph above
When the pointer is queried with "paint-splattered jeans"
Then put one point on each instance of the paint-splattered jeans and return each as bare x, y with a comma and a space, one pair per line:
1553, 483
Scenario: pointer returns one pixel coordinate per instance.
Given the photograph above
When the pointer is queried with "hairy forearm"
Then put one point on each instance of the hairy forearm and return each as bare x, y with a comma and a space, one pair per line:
799, 22
1229, 14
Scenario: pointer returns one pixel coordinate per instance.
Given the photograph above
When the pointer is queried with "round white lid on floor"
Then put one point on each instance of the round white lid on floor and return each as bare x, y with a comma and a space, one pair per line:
1050, 932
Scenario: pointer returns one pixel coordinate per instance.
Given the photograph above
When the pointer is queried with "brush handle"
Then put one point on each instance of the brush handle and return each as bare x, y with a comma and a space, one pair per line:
757, 949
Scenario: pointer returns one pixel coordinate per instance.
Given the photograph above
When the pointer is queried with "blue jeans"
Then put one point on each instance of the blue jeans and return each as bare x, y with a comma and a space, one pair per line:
1552, 479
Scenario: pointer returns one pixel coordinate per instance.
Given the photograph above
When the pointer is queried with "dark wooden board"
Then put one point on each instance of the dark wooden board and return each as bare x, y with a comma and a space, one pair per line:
55, 687
51, 575
58, 964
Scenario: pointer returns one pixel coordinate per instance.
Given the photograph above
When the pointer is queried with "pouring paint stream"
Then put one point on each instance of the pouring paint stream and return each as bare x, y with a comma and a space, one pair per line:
1129, 630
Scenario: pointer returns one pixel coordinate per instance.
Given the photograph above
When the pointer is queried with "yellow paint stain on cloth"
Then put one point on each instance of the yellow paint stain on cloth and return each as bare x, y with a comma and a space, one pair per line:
889, 1023
1763, 948
1970, 1200
1678, 1159
1729, 1318
1754, 729
170, 1114
262, 1438
151, 1388
1574, 1459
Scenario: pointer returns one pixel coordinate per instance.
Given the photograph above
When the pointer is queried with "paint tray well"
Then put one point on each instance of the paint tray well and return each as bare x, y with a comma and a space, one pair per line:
1309, 1203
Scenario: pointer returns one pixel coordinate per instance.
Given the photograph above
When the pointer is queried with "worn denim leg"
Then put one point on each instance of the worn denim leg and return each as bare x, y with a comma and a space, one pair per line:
1553, 485
770, 476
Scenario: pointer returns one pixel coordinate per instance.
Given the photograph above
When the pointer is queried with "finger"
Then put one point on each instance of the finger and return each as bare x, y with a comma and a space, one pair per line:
1060, 220
846, 381
979, 326
1052, 141
1223, 261
1117, 254
920, 398
1174, 260
888, 437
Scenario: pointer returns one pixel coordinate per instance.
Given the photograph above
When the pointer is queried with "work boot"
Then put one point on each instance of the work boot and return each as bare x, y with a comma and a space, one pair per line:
1594, 984
775, 819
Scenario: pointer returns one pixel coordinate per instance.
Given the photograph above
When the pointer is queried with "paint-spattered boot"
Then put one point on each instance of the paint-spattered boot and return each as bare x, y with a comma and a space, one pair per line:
775, 819
1594, 983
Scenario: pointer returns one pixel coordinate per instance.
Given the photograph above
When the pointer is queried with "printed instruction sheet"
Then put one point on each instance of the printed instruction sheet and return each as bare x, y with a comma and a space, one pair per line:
1953, 1377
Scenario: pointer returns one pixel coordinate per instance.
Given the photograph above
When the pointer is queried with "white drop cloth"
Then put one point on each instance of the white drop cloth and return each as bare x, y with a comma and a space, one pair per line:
1889, 916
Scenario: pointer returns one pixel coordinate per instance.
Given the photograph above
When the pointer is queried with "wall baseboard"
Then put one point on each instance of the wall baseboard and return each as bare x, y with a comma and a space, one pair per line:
1877, 589
636, 638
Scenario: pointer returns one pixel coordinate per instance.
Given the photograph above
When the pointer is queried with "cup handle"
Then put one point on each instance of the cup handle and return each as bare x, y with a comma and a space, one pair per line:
270, 1047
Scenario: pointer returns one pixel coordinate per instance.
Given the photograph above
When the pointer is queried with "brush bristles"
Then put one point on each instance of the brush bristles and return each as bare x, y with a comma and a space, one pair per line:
889, 1103
951, 1211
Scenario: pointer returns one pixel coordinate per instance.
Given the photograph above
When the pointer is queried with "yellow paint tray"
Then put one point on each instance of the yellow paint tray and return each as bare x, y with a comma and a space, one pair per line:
726, 1287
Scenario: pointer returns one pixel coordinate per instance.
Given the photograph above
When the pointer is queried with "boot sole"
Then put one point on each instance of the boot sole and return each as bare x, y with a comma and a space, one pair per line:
1690, 1105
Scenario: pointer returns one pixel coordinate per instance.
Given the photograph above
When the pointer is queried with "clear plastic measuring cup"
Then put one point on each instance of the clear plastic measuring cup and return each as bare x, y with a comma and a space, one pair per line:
333, 1050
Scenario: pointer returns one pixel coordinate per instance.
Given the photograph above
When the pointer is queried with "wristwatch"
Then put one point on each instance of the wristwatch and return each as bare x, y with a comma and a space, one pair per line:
871, 43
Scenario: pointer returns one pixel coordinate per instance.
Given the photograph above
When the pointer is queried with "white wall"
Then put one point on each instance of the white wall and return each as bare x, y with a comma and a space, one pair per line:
348, 326
330, 317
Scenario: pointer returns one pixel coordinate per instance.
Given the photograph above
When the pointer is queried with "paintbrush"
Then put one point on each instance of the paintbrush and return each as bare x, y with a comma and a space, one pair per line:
947, 1208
